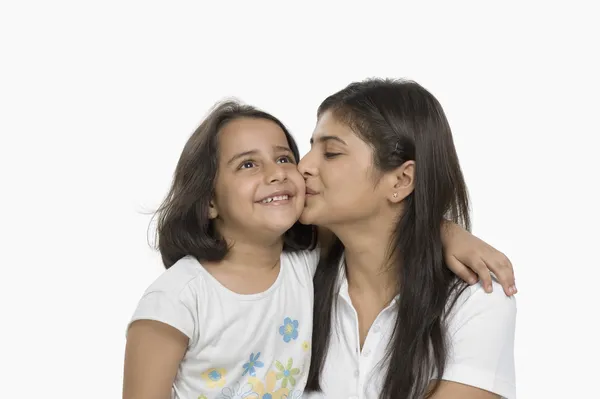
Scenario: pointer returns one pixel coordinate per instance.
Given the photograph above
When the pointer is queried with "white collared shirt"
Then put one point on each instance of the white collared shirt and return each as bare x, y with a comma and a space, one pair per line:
481, 327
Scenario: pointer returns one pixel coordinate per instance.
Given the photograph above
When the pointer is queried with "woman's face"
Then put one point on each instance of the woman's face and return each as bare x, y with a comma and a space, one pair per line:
342, 185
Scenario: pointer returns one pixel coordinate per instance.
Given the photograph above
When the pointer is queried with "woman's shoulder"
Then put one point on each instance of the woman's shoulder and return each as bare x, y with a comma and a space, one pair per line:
473, 301
476, 294
481, 331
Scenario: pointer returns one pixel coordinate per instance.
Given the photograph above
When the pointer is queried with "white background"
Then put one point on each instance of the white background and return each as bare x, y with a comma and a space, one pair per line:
98, 98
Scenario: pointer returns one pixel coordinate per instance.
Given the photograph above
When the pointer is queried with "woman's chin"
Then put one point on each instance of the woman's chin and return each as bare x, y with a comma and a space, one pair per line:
306, 217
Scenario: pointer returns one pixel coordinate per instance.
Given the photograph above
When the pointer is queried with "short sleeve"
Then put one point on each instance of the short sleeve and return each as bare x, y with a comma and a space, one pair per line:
162, 306
174, 298
482, 335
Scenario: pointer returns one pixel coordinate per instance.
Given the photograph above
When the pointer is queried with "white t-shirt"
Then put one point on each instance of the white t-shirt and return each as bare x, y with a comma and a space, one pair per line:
240, 346
481, 354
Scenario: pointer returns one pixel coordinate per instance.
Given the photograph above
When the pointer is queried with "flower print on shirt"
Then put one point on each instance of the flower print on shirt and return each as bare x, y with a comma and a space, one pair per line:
286, 374
289, 329
250, 366
305, 346
214, 377
293, 395
267, 390
202, 397
238, 391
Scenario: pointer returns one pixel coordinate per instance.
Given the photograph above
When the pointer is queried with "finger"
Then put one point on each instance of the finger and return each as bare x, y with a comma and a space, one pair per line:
461, 270
504, 272
483, 272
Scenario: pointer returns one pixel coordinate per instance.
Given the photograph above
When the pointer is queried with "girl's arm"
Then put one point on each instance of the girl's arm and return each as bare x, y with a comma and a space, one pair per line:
152, 356
467, 256
473, 259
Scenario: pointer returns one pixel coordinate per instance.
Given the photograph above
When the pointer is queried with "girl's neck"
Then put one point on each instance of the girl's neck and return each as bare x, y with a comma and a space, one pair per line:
252, 255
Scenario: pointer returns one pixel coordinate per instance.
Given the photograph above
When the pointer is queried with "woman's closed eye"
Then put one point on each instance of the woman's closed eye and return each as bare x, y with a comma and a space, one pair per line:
330, 155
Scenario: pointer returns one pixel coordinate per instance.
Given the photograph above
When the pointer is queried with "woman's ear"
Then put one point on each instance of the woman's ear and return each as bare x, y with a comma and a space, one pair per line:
403, 179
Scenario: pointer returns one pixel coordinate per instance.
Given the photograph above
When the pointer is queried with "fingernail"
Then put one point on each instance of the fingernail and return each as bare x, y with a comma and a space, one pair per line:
472, 281
488, 288
514, 289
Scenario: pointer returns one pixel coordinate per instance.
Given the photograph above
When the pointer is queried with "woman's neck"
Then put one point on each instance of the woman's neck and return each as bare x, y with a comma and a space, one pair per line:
369, 260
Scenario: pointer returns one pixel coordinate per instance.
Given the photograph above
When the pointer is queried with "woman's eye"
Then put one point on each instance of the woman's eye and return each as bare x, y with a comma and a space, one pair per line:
330, 155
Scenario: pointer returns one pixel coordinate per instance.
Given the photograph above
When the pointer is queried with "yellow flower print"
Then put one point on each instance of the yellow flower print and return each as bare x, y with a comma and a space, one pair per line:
202, 397
267, 390
287, 373
305, 346
214, 377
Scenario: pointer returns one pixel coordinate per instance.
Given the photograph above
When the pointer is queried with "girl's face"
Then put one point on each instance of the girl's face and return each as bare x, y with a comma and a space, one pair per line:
259, 193
341, 183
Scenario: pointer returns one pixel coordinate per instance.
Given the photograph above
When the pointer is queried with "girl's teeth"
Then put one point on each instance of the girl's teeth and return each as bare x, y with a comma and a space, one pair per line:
277, 198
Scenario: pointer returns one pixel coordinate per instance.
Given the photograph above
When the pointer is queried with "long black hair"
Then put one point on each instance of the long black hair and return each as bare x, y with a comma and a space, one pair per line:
402, 121
184, 227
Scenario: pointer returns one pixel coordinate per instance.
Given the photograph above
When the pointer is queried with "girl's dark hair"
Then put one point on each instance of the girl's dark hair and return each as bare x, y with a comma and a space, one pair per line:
184, 227
402, 121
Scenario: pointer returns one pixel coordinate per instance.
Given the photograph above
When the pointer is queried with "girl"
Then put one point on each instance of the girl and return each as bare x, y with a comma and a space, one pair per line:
390, 320
231, 317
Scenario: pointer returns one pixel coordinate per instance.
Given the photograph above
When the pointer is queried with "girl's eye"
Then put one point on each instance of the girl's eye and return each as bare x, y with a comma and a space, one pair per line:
285, 159
247, 165
330, 155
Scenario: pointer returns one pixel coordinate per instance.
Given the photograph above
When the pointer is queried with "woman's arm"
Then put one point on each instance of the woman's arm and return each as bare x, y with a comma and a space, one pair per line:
455, 390
152, 356
473, 259
481, 333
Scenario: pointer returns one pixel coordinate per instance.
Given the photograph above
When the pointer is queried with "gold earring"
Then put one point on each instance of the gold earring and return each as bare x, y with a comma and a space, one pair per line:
395, 195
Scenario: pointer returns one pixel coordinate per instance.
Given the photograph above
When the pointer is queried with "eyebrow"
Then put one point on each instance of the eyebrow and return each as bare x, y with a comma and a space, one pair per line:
278, 148
324, 139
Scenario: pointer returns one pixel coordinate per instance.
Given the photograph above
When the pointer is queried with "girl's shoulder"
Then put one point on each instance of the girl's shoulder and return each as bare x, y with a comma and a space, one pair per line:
186, 273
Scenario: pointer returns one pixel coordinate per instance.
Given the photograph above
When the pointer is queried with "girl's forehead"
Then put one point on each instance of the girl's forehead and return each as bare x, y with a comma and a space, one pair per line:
251, 132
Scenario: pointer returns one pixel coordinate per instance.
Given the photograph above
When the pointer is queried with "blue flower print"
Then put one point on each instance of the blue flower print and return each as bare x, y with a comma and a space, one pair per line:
289, 329
252, 363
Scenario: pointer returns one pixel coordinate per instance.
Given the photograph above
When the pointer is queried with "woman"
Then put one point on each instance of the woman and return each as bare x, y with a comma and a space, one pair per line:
390, 319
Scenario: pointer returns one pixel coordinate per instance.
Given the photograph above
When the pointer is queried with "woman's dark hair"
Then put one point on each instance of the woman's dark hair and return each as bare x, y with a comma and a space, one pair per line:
184, 227
402, 121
